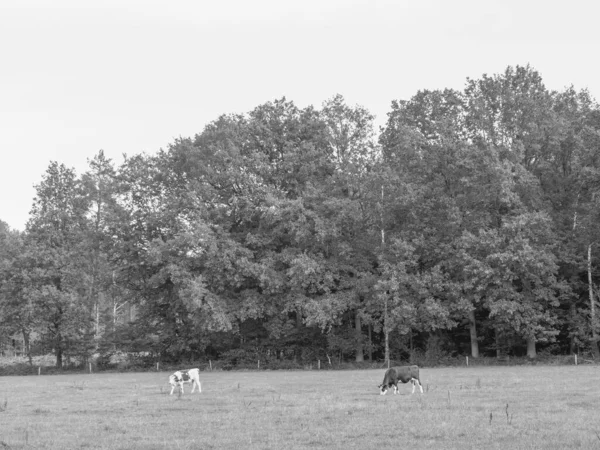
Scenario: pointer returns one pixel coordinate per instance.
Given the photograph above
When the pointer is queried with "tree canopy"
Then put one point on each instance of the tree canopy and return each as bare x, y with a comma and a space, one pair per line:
465, 225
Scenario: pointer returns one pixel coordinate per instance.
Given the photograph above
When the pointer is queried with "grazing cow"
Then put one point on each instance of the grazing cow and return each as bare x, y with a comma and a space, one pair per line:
402, 373
185, 376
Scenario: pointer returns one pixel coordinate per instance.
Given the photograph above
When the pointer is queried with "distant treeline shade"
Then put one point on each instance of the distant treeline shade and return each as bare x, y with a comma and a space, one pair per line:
466, 226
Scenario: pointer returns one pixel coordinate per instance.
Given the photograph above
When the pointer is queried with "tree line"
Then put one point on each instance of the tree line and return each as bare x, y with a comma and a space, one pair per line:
466, 225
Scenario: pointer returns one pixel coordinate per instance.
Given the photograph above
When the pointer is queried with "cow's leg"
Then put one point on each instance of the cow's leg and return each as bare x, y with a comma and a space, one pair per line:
194, 384
396, 390
413, 389
420, 386
172, 388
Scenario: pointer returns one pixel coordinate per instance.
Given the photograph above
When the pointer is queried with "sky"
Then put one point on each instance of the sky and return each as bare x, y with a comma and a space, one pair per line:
131, 76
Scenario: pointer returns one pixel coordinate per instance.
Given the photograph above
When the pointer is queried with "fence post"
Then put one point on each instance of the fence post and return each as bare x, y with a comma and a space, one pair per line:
259, 364
157, 366
90, 367
467, 361
319, 365
575, 358
210, 364
39, 370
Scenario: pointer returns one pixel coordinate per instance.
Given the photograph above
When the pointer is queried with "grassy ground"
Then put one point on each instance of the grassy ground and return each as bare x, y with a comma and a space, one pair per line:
554, 407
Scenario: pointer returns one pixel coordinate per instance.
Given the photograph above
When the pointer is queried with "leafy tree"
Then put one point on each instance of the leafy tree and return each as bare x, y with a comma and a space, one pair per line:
300, 232
99, 187
55, 266
512, 114
16, 312
423, 143
570, 181
159, 245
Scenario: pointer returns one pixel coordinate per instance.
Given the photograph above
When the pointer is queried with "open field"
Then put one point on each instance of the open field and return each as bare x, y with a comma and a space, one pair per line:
553, 407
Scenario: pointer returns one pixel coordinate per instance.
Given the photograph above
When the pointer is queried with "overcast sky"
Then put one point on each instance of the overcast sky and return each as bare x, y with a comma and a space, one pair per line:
130, 76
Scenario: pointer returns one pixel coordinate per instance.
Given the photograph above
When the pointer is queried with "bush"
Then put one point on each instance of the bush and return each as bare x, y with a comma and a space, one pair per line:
282, 364
103, 362
239, 358
18, 369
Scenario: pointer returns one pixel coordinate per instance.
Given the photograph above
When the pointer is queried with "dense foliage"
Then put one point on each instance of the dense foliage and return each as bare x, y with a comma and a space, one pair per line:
466, 226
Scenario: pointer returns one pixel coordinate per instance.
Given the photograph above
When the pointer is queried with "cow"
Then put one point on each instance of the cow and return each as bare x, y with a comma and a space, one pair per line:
185, 376
402, 373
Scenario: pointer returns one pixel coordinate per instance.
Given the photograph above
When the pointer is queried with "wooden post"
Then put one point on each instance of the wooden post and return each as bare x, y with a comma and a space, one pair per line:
575, 358
210, 364
157, 366
90, 367
259, 364
467, 361
319, 364
40, 369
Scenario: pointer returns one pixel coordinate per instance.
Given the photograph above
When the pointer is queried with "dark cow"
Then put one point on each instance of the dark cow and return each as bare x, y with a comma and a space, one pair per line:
185, 376
403, 374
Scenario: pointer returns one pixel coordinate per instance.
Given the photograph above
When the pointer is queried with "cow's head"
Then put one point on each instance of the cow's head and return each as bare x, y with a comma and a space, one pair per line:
175, 378
382, 389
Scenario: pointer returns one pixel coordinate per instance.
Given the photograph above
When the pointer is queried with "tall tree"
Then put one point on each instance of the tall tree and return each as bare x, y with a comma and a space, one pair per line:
58, 219
424, 145
99, 187
512, 114
16, 310
570, 180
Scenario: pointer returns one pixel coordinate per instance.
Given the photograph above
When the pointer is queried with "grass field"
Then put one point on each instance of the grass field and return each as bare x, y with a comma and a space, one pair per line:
532, 407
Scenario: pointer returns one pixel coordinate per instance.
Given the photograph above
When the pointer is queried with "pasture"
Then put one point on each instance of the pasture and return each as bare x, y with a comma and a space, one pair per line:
528, 407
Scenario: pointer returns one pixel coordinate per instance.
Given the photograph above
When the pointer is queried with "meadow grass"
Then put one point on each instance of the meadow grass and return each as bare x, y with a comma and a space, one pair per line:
527, 407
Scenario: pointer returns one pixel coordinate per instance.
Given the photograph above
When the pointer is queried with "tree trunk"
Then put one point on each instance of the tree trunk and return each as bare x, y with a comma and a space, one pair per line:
595, 350
370, 344
386, 332
498, 346
59, 357
27, 345
531, 353
411, 348
360, 355
572, 343
473, 333
97, 327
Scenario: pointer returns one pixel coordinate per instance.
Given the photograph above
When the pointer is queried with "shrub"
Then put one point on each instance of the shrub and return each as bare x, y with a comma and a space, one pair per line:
282, 364
239, 358
103, 362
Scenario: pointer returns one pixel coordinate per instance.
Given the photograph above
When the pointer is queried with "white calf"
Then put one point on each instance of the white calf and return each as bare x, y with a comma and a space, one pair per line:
185, 376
